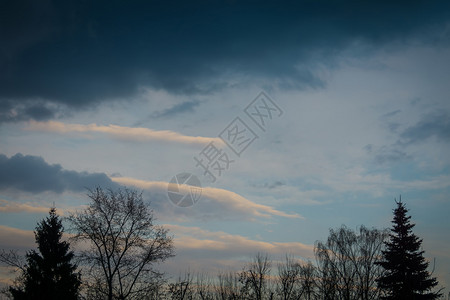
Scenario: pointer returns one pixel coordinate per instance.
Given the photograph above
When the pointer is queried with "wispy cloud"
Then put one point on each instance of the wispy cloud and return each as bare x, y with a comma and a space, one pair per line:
187, 106
198, 238
387, 154
201, 250
13, 238
13, 207
136, 134
436, 124
28, 207
215, 202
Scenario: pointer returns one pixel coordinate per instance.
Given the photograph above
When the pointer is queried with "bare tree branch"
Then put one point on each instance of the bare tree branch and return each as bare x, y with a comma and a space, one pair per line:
124, 242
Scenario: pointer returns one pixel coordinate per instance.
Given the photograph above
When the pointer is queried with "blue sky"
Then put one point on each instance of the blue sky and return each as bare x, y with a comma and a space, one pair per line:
113, 93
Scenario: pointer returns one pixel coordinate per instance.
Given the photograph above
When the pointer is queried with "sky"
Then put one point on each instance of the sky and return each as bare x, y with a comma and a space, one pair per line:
354, 97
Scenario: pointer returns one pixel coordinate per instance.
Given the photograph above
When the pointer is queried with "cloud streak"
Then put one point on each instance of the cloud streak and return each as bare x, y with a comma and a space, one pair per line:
135, 134
195, 238
13, 207
432, 125
187, 106
203, 251
215, 203
13, 238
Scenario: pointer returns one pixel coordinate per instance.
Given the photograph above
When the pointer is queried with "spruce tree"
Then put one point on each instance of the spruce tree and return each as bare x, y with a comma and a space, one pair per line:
406, 276
49, 273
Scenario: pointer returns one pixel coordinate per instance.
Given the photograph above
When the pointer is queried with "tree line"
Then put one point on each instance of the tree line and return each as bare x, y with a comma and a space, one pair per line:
119, 246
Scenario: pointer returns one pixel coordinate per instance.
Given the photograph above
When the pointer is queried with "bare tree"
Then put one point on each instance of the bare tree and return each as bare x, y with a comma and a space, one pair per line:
308, 281
254, 278
123, 244
347, 263
13, 259
182, 289
296, 280
288, 278
204, 287
327, 281
371, 242
17, 264
228, 287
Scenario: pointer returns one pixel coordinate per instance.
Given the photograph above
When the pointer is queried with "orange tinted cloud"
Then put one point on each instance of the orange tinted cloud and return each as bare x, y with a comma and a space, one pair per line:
137, 134
204, 240
8, 207
14, 238
221, 198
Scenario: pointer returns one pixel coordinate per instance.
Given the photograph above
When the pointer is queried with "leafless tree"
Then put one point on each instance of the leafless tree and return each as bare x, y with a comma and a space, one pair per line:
123, 244
327, 277
288, 278
182, 289
12, 259
255, 278
308, 281
17, 263
204, 287
228, 287
371, 242
347, 263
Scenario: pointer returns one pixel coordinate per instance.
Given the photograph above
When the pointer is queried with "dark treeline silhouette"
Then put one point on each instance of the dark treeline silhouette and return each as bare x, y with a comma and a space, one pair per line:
118, 245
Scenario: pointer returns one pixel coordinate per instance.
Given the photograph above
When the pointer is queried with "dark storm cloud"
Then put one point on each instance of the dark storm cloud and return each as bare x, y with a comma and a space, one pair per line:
39, 110
81, 52
33, 174
187, 106
432, 125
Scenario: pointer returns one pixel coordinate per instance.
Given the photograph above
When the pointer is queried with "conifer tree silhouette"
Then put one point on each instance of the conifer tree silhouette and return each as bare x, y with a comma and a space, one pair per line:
49, 273
406, 275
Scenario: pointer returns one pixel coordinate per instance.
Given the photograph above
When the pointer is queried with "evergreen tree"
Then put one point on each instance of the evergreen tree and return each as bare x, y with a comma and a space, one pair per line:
406, 276
49, 273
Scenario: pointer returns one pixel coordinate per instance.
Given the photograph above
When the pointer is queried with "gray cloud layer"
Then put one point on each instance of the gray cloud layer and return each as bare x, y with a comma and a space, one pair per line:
432, 125
32, 174
187, 106
77, 53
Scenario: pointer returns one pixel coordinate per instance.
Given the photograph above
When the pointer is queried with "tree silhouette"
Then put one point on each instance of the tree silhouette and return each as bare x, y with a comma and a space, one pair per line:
124, 244
346, 263
254, 278
49, 273
406, 275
